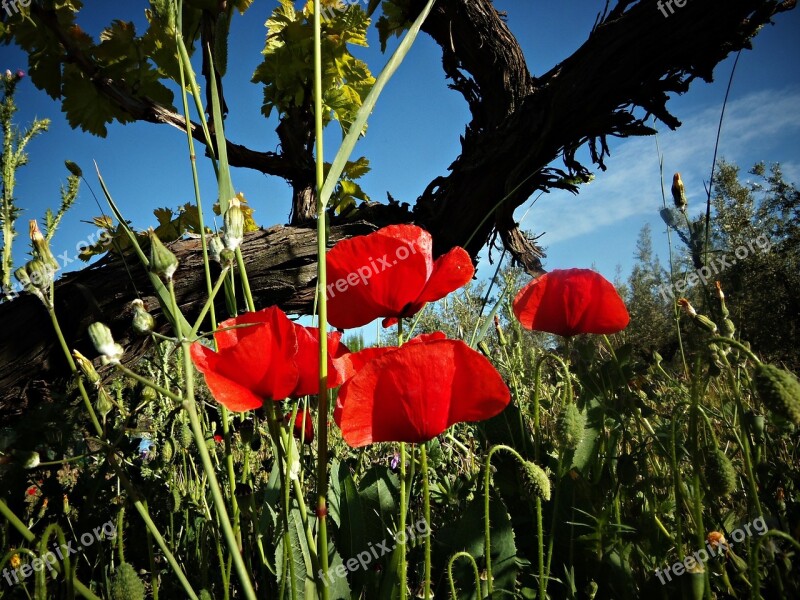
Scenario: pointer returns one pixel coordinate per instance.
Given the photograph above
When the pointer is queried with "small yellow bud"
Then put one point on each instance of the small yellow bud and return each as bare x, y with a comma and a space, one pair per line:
86, 367
678, 192
41, 248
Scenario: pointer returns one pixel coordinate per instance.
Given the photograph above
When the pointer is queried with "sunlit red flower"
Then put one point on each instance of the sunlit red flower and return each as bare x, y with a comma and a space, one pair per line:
303, 425
255, 361
415, 392
264, 356
307, 359
391, 274
571, 301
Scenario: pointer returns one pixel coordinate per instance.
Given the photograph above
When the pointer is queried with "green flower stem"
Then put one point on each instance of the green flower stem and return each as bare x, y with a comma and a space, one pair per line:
487, 482
17, 524
322, 412
403, 509
737, 345
198, 203
426, 500
144, 381
452, 560
209, 305
696, 392
248, 296
677, 484
216, 493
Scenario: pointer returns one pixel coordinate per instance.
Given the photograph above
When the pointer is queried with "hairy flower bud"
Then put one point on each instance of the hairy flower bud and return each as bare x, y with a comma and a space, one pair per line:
126, 584
162, 262
233, 233
701, 321
104, 343
720, 474
41, 247
779, 390
73, 168
569, 427
535, 480
143, 321
215, 248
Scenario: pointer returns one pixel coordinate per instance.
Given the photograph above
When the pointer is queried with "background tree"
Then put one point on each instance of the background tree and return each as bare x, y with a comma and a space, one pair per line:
520, 122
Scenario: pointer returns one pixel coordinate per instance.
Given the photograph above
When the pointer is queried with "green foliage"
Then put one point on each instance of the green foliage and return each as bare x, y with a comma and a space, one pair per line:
287, 69
394, 20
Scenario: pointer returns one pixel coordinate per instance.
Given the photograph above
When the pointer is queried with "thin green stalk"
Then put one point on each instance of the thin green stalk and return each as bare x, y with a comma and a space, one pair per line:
452, 560
403, 509
216, 492
426, 502
487, 481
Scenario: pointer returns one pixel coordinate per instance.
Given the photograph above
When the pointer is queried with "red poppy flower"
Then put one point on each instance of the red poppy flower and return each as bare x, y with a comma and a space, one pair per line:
308, 361
218, 438
303, 425
390, 273
267, 357
415, 392
570, 301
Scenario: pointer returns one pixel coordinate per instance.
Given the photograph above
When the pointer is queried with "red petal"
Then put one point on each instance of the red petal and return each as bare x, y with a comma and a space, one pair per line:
414, 393
571, 301
307, 360
450, 272
255, 363
377, 275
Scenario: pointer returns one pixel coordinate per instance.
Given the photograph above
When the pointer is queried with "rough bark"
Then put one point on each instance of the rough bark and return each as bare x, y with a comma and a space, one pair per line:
281, 267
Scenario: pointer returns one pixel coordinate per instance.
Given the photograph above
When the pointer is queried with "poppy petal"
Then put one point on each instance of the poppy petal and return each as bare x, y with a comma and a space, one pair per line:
307, 360
571, 301
377, 275
227, 392
414, 393
450, 272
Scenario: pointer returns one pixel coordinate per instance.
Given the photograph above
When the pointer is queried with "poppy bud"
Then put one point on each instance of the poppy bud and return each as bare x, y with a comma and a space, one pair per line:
678, 192
22, 276
127, 584
175, 503
720, 474
143, 321
186, 436
86, 367
27, 459
104, 343
41, 247
569, 427
167, 451
73, 168
233, 233
162, 262
535, 480
779, 390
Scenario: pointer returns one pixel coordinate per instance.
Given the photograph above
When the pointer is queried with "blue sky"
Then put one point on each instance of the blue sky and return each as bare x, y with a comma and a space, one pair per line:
414, 135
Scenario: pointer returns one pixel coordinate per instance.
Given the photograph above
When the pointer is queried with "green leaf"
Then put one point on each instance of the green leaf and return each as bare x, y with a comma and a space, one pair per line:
303, 581
347, 512
393, 22
467, 534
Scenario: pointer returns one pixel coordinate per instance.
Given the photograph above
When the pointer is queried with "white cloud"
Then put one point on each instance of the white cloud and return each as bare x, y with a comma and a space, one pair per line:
756, 127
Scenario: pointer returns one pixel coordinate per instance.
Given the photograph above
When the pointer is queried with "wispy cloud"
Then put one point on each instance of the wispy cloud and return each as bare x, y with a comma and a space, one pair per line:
759, 126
